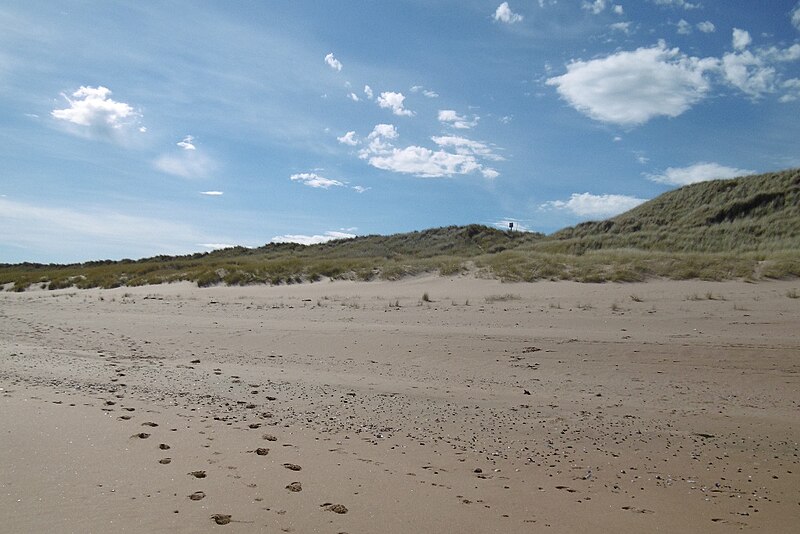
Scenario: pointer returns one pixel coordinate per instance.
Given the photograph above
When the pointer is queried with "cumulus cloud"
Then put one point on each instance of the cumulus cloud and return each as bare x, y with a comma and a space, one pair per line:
503, 13
312, 239
212, 193
312, 179
93, 109
332, 62
394, 101
381, 153
741, 39
618, 10
699, 172
348, 139
589, 205
353, 97
424, 162
706, 26
684, 28
368, 91
451, 118
795, 16
630, 88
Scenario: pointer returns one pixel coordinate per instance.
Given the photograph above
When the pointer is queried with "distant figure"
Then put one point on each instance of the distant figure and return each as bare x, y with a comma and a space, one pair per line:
511, 227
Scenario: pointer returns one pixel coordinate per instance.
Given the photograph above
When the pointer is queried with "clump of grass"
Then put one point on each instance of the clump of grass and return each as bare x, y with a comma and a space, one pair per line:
426, 297
615, 307
636, 298
502, 298
793, 294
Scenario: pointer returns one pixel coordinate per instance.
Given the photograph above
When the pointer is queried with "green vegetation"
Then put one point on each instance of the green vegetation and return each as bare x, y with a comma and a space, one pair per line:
746, 228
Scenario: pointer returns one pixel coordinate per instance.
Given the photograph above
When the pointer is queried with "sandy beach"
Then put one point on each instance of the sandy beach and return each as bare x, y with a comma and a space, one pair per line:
425, 405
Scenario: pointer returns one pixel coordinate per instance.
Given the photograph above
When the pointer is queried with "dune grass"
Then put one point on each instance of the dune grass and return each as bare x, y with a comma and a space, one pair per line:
746, 228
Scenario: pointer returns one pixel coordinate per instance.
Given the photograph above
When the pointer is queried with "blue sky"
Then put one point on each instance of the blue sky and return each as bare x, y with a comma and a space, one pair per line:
129, 129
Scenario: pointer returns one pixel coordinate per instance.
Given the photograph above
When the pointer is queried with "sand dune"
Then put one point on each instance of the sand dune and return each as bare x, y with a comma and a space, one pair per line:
364, 407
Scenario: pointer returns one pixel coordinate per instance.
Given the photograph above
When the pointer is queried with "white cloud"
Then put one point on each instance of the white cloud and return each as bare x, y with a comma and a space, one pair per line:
212, 193
684, 28
394, 101
503, 13
589, 205
624, 27
749, 73
596, 6
699, 172
333, 63
678, 3
312, 179
792, 87
312, 239
360, 188
706, 27
187, 143
630, 88
421, 161
368, 91
426, 92
450, 117
795, 14
93, 109
618, 10
348, 139
741, 39
424, 162
465, 146
353, 97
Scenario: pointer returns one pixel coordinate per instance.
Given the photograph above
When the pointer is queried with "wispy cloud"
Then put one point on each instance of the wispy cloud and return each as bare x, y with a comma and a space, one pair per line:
312, 239
699, 172
212, 193
589, 205
312, 179
684, 4
451, 118
187, 163
89, 233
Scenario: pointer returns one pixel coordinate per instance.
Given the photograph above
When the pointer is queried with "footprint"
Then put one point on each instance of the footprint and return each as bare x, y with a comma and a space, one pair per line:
261, 451
221, 519
197, 496
150, 423
295, 487
337, 508
163, 446
269, 437
198, 474
141, 435
165, 461
292, 467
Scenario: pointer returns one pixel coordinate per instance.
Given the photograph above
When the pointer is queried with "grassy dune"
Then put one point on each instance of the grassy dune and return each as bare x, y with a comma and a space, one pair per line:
746, 228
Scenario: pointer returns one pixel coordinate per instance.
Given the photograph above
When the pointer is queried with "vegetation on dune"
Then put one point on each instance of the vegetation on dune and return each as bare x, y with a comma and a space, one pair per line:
746, 228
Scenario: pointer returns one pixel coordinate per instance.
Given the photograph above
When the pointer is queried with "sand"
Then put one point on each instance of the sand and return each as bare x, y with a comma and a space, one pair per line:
362, 407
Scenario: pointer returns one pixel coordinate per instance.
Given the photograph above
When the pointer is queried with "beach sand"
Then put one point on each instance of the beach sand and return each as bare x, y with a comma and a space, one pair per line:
364, 407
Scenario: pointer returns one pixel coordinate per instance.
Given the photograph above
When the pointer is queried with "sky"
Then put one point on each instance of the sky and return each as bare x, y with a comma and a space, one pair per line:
132, 129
